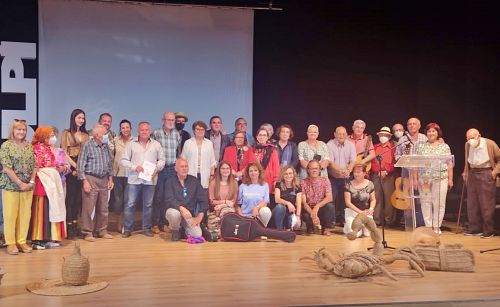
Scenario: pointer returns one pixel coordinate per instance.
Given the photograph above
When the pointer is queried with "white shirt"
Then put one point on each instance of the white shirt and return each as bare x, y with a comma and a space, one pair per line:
207, 161
478, 155
135, 154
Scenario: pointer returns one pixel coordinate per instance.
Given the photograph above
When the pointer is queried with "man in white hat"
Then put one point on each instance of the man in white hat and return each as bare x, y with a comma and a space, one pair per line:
382, 175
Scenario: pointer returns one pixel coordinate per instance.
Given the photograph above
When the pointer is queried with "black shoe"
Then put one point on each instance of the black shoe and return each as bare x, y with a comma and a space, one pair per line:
126, 234
147, 233
71, 231
176, 235
473, 233
487, 235
182, 234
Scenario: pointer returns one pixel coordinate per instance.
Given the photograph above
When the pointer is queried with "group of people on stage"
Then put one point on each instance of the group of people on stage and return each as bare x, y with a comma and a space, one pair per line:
50, 193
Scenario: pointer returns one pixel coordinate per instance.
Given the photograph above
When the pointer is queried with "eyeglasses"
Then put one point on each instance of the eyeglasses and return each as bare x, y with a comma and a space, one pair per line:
184, 192
19, 120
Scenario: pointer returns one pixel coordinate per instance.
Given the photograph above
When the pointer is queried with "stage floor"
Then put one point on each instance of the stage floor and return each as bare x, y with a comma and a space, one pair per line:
152, 271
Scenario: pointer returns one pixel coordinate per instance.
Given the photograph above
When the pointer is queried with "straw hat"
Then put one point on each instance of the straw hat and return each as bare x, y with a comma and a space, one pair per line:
384, 130
181, 114
59, 288
75, 273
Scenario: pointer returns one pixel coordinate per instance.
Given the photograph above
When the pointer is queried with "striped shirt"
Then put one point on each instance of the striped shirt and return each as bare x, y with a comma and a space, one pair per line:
95, 160
400, 149
169, 142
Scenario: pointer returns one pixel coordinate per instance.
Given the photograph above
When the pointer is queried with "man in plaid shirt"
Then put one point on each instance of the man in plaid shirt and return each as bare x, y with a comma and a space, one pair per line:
170, 140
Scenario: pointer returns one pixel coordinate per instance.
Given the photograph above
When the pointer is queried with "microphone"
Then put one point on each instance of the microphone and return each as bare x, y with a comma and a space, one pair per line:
408, 137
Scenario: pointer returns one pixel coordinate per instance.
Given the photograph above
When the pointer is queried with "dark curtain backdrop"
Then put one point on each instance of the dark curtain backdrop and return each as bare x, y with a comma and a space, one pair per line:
331, 62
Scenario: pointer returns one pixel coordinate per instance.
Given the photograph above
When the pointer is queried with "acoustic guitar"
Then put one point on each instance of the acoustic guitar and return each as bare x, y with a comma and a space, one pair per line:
362, 155
400, 198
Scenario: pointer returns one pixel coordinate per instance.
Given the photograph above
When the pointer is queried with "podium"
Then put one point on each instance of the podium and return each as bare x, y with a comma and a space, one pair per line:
425, 169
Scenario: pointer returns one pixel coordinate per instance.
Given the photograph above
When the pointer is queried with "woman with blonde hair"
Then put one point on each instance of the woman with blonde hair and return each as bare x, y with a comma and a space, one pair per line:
288, 197
17, 182
48, 211
222, 195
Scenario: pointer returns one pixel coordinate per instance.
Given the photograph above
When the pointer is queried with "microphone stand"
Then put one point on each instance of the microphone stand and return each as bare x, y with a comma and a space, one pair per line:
379, 159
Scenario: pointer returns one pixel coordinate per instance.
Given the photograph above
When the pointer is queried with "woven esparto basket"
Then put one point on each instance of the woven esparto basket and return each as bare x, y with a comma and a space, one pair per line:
76, 268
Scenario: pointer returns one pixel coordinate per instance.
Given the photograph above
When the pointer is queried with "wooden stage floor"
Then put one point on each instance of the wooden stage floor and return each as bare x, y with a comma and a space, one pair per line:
151, 271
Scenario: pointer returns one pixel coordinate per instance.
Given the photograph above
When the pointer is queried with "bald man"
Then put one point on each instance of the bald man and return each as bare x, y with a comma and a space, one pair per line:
482, 166
187, 202
413, 125
95, 170
342, 159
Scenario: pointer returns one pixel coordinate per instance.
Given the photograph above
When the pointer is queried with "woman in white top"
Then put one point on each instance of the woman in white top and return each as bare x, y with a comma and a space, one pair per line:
199, 152
313, 149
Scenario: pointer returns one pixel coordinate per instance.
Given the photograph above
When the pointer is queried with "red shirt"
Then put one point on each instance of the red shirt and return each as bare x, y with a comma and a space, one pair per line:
360, 143
387, 151
272, 170
231, 156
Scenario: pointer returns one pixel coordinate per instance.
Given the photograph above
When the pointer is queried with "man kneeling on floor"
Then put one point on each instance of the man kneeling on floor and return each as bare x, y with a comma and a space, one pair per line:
187, 202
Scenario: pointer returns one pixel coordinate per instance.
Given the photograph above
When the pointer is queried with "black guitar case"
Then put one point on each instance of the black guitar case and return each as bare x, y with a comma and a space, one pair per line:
237, 228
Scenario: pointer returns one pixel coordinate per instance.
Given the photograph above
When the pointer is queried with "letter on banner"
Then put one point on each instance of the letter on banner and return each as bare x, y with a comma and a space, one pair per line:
13, 53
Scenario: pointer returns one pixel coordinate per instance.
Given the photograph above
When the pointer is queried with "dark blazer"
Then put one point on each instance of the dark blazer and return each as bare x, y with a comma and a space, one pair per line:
295, 153
224, 142
196, 198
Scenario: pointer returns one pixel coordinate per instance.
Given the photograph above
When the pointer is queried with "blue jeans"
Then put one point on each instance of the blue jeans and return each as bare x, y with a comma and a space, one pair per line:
120, 194
338, 185
281, 216
159, 205
147, 205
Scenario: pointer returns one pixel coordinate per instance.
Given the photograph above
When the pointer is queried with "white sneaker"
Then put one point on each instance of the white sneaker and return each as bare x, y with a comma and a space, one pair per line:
37, 246
51, 244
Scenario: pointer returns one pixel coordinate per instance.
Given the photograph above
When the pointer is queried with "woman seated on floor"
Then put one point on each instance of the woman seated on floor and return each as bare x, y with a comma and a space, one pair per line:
222, 194
359, 198
253, 195
288, 197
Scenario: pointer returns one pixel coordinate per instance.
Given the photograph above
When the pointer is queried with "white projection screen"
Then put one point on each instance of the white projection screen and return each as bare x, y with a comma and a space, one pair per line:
136, 61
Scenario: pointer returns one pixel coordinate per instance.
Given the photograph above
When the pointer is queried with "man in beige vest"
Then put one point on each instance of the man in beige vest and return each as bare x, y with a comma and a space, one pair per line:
482, 166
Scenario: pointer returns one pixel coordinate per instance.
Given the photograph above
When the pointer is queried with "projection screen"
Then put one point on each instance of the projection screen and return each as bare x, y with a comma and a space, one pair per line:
136, 61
